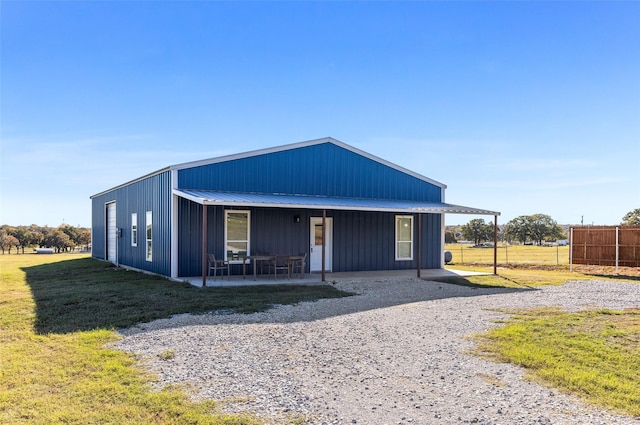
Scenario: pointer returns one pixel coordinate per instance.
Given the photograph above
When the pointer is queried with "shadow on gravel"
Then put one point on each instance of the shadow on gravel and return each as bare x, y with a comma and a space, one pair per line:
372, 295
367, 294
619, 277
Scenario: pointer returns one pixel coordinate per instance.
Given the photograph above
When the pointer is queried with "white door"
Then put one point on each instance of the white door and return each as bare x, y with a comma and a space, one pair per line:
315, 253
112, 236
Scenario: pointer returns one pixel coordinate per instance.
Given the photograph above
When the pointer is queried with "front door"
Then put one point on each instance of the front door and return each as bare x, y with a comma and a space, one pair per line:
315, 253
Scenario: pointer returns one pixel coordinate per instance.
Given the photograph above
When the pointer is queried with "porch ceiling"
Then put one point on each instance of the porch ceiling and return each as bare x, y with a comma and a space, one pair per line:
279, 200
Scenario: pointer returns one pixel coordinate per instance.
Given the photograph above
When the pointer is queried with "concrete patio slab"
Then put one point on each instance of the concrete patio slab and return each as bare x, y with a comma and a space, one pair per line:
316, 278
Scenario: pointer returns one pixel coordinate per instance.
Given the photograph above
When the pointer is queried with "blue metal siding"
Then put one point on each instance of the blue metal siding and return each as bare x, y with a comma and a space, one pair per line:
190, 237
150, 194
366, 241
432, 241
323, 169
361, 240
272, 231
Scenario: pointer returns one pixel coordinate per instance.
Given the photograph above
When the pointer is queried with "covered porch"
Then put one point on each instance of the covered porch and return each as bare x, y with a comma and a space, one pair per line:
323, 209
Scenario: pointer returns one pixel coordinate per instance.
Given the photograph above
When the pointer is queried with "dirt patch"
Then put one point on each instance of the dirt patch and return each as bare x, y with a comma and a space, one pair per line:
608, 270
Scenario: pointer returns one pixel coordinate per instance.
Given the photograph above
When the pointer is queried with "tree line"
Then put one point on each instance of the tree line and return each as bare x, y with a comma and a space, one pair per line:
534, 229
61, 238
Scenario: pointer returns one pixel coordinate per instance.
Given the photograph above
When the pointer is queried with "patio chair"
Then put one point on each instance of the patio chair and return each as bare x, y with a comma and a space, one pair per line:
298, 262
216, 265
280, 262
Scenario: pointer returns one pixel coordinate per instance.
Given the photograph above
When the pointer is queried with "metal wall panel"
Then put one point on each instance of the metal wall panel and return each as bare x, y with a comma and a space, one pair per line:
150, 194
366, 241
361, 240
323, 169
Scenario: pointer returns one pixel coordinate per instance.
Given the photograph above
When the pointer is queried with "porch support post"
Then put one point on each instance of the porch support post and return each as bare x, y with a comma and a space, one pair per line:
204, 245
419, 243
324, 241
495, 244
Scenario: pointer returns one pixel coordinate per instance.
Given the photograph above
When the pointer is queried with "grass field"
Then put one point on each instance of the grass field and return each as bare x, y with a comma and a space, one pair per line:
510, 254
520, 265
58, 312
594, 354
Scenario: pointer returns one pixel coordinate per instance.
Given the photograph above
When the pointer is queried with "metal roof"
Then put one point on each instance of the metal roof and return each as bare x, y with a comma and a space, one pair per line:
279, 200
282, 148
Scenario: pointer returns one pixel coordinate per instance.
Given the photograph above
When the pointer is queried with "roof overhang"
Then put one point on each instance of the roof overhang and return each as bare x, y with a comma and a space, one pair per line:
278, 200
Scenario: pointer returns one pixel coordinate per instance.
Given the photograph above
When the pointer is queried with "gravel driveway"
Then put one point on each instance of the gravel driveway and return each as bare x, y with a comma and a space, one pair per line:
394, 354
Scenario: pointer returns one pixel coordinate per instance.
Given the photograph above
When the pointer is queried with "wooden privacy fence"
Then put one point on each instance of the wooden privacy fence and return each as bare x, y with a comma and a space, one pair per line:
605, 246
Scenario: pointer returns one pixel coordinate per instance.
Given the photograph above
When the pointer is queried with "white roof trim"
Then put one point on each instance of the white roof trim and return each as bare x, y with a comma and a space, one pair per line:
275, 200
146, 176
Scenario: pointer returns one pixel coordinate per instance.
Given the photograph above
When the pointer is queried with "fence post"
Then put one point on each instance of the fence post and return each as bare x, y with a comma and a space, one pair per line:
571, 250
617, 250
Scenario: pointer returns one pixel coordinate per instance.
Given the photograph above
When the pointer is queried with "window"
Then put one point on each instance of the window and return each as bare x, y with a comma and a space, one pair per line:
148, 228
404, 237
236, 234
134, 229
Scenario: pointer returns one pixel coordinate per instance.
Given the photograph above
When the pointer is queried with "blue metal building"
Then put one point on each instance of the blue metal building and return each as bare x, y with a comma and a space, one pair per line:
322, 195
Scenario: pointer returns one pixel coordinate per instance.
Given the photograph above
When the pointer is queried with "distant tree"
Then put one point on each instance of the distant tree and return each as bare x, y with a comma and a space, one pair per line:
3, 239
477, 231
84, 237
7, 241
36, 235
57, 239
72, 232
449, 237
22, 234
534, 228
632, 218
543, 227
517, 229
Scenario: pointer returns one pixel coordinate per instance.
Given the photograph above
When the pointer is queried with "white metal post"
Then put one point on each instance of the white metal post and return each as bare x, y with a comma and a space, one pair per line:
571, 250
617, 248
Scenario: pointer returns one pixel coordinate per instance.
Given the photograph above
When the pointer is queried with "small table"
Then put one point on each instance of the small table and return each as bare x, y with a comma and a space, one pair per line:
254, 259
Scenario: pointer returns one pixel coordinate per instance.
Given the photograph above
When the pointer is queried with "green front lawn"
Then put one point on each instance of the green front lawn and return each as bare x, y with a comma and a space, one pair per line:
58, 312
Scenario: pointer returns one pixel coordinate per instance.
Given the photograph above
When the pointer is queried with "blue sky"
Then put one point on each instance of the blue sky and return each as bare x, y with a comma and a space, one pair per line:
519, 107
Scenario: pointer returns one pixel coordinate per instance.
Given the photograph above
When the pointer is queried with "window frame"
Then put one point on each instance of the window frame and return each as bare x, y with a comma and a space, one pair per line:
148, 234
134, 229
226, 234
398, 241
